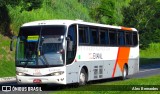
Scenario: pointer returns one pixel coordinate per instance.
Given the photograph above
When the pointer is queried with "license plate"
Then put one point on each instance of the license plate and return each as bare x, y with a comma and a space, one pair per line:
37, 81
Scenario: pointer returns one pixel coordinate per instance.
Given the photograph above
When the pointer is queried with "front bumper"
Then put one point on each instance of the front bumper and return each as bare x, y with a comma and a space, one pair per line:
44, 79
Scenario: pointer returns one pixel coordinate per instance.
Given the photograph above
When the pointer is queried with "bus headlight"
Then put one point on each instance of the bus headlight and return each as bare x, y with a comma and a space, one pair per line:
57, 73
20, 73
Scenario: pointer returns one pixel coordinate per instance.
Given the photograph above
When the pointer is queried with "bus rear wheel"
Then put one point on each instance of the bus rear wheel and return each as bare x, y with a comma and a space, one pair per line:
82, 77
125, 72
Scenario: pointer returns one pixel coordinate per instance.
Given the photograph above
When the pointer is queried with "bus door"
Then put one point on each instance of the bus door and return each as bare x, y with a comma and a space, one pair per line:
72, 70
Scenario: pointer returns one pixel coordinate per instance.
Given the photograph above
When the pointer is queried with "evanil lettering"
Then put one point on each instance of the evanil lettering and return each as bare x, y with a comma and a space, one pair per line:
95, 56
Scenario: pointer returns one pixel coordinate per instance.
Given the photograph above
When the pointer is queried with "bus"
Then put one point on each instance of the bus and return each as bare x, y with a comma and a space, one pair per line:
74, 51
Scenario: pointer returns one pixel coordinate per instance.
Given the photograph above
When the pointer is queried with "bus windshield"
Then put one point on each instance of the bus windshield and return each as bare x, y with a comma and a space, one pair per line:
40, 46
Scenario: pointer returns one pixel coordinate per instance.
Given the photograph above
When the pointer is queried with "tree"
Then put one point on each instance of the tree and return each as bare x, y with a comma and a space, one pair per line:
145, 19
109, 11
26, 5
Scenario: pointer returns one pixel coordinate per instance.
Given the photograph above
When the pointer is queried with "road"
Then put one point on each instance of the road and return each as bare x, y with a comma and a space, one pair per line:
145, 71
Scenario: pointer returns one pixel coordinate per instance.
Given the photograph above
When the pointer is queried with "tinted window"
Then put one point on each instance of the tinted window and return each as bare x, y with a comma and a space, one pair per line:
83, 35
113, 37
45, 30
104, 37
94, 36
121, 38
135, 38
72, 35
128, 38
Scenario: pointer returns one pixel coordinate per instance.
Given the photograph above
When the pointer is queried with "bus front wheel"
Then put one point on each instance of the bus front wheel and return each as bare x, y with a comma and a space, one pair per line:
82, 77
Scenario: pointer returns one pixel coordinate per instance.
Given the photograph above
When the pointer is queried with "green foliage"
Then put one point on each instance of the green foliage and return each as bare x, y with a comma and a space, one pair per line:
25, 5
90, 4
145, 19
29, 5
150, 54
5, 21
9, 2
151, 51
2, 3
105, 12
50, 9
7, 65
109, 11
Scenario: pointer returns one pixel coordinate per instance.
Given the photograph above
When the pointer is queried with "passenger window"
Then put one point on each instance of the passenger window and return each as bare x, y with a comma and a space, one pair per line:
94, 36
104, 37
135, 38
83, 35
128, 38
113, 37
121, 38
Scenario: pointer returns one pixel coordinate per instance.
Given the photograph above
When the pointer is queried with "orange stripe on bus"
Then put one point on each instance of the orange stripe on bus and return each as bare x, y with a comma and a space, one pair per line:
115, 64
122, 58
126, 28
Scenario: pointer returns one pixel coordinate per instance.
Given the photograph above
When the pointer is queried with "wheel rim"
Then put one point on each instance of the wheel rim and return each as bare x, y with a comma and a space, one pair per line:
82, 78
124, 73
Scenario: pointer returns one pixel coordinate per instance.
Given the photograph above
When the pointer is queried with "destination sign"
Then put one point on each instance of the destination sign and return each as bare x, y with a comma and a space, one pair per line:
33, 38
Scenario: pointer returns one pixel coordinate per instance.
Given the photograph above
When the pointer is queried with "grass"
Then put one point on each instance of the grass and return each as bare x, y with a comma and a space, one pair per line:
121, 86
151, 54
7, 65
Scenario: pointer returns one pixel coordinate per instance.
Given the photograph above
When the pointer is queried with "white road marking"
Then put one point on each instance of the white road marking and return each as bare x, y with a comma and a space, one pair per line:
150, 70
7, 79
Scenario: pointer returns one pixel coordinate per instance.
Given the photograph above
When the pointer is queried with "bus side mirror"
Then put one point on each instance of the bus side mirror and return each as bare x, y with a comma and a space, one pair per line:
69, 44
12, 43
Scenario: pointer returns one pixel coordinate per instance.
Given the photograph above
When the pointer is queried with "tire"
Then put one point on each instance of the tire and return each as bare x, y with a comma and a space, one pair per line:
82, 77
125, 72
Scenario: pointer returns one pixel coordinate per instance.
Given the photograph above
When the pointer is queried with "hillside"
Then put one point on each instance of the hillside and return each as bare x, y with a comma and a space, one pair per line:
7, 65
50, 9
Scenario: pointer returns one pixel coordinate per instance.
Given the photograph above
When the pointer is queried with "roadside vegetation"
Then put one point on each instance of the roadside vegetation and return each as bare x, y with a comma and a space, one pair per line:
150, 55
120, 87
48, 10
151, 52
7, 65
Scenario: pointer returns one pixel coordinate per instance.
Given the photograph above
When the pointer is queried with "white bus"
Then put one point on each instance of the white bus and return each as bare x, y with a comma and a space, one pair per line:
74, 51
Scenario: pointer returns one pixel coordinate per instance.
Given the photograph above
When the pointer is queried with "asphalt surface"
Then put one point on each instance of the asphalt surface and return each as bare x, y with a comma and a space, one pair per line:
145, 71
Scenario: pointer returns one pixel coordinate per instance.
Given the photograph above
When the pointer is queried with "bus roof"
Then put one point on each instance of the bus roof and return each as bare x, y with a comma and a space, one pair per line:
69, 22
